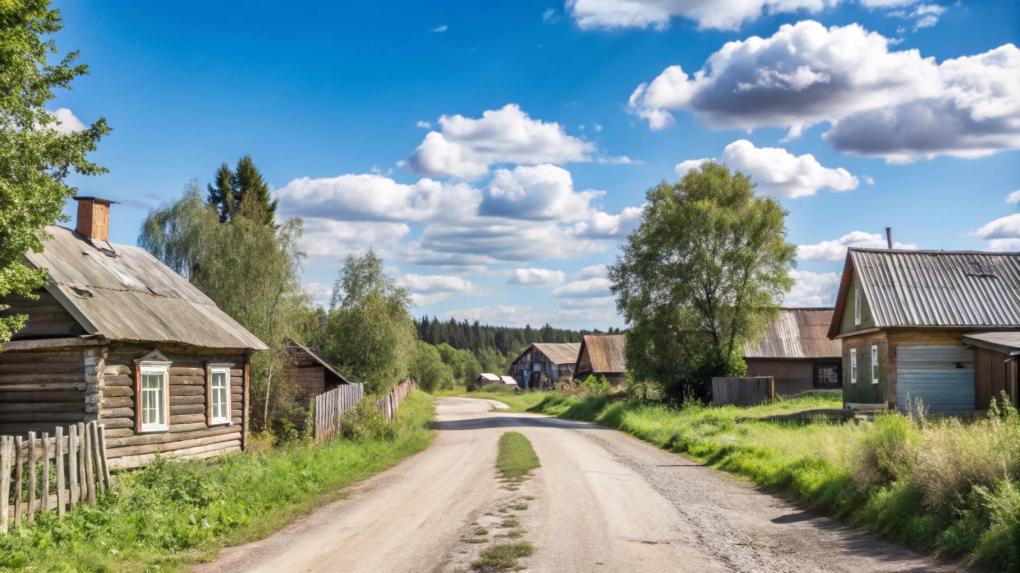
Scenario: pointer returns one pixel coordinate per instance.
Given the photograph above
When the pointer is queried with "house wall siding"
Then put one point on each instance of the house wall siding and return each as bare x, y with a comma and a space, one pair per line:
790, 376
846, 321
863, 391
46, 317
41, 390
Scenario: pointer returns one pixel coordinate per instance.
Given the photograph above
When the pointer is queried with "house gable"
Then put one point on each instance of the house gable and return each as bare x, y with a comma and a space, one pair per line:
844, 318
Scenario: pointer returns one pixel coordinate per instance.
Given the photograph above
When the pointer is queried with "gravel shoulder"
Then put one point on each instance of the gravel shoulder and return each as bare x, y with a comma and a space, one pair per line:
602, 501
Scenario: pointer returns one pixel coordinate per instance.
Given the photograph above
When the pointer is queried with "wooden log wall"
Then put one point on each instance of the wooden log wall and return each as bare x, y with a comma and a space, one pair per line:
51, 472
46, 317
42, 390
743, 391
330, 407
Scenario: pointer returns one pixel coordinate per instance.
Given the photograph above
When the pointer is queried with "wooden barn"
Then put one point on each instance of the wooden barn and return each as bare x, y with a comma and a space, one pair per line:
797, 352
911, 322
544, 363
118, 337
309, 373
602, 354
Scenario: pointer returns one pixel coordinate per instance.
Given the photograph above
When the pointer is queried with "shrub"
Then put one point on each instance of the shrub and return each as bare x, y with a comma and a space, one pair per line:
365, 422
888, 451
596, 385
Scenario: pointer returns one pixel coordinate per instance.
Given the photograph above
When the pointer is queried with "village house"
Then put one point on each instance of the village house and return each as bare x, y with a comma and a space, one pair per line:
932, 326
308, 373
602, 355
544, 363
118, 337
797, 352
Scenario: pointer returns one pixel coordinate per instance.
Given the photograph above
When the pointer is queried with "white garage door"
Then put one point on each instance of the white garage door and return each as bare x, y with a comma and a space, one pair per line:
940, 376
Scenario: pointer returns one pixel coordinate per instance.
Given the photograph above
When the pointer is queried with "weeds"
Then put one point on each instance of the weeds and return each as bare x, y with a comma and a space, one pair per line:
516, 457
502, 556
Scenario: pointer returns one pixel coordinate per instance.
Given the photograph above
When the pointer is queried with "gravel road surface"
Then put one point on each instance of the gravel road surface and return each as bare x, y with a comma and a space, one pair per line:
602, 501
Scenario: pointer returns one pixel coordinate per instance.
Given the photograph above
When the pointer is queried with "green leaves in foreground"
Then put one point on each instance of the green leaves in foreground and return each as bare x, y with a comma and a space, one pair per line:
516, 456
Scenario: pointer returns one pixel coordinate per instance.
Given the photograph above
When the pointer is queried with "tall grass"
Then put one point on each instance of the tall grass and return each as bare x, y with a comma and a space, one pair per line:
173, 513
943, 485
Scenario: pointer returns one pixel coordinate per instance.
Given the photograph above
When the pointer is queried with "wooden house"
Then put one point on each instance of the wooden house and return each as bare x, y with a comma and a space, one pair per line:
602, 354
488, 378
118, 337
910, 322
308, 373
543, 363
797, 352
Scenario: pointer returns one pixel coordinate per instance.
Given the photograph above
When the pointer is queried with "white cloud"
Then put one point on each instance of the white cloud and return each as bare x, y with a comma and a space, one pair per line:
835, 250
467, 147
923, 15
778, 172
889, 103
537, 277
606, 225
65, 122
440, 28
595, 271
540, 192
320, 292
1002, 234
499, 240
1013, 198
717, 14
337, 239
430, 289
812, 289
593, 287
423, 124
502, 314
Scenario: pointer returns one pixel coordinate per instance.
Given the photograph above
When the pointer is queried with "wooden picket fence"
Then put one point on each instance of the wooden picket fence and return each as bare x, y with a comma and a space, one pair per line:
330, 407
389, 403
51, 472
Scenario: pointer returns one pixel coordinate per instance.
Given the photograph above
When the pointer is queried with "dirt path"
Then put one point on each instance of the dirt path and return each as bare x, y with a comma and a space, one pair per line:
602, 501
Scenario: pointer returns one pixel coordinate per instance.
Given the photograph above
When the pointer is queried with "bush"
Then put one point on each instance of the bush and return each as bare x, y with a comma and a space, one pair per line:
888, 451
596, 385
365, 422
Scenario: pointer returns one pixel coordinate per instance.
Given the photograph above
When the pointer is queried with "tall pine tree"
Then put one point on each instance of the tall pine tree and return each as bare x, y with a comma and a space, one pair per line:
242, 192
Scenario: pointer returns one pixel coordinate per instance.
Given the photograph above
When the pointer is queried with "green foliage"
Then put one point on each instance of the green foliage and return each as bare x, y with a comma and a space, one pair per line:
242, 192
465, 366
250, 270
365, 422
502, 556
369, 334
36, 153
172, 513
516, 457
429, 370
596, 385
703, 273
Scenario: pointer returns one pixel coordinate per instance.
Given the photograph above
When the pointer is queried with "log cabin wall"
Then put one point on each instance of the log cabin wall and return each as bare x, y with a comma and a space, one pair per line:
46, 317
190, 434
41, 390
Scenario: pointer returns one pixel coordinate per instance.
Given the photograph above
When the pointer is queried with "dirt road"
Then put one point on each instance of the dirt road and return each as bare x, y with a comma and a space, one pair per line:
602, 501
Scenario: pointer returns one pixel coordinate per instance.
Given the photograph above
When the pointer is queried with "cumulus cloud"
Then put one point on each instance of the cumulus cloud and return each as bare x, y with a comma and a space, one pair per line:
1002, 234
717, 14
812, 289
602, 225
594, 271
337, 239
537, 192
1013, 198
430, 289
503, 314
879, 101
537, 277
835, 250
467, 147
585, 288
500, 240
65, 122
778, 172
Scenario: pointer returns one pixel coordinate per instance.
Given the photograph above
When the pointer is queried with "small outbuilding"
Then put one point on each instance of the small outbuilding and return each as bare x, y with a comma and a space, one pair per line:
543, 363
910, 322
488, 378
797, 352
309, 373
119, 338
996, 360
602, 354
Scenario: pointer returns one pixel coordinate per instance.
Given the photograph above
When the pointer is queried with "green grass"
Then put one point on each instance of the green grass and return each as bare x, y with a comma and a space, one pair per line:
941, 485
172, 514
502, 556
516, 457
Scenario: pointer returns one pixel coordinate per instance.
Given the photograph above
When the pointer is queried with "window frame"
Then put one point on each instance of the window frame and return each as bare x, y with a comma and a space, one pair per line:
211, 418
874, 364
857, 304
153, 367
853, 365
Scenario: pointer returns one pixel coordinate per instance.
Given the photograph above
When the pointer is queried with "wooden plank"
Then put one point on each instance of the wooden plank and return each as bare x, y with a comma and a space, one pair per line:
97, 457
72, 462
19, 479
170, 446
103, 456
138, 397
204, 451
90, 476
47, 451
32, 481
6, 453
51, 343
245, 404
36, 387
61, 493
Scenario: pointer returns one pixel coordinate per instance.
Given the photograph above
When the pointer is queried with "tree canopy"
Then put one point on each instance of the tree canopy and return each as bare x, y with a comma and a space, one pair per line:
37, 153
702, 274
242, 192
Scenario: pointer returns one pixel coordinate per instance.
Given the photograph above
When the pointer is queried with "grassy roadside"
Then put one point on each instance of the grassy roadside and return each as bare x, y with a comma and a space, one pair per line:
516, 458
944, 486
172, 514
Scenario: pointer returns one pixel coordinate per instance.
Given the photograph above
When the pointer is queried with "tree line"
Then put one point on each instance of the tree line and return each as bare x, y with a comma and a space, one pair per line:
475, 336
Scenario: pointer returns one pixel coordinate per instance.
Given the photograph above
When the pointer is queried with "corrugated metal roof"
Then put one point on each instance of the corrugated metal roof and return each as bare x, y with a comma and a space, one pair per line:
797, 333
559, 352
131, 296
606, 352
940, 288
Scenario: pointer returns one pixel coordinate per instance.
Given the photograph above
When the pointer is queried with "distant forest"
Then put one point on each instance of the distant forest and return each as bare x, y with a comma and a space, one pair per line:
505, 339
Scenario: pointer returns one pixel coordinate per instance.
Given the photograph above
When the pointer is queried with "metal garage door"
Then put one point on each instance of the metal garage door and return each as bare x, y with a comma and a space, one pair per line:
941, 376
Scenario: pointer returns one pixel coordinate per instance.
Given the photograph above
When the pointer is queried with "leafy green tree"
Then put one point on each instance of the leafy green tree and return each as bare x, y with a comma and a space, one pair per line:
243, 192
700, 276
369, 332
429, 370
36, 152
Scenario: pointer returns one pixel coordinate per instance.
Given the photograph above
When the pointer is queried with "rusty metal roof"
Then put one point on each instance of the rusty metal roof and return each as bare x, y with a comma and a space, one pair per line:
952, 289
122, 292
606, 352
797, 333
559, 352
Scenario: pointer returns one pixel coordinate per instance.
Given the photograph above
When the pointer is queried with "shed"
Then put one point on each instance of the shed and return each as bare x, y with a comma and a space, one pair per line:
118, 337
309, 373
486, 378
797, 352
543, 363
996, 359
602, 354
903, 317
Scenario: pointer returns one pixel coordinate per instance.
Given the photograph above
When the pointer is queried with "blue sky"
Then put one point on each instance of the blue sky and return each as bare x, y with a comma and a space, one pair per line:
497, 153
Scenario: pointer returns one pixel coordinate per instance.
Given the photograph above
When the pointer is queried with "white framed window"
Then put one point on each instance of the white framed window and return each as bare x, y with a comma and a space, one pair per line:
874, 364
219, 395
155, 396
853, 365
857, 305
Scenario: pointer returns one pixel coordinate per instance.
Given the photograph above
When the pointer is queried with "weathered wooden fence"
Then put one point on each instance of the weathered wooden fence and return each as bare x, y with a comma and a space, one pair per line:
389, 403
330, 407
743, 391
51, 472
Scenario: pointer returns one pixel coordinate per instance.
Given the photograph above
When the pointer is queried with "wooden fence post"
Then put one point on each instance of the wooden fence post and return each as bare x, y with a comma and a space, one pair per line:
61, 494
101, 429
5, 480
45, 501
19, 478
72, 460
90, 476
97, 457
83, 492
32, 481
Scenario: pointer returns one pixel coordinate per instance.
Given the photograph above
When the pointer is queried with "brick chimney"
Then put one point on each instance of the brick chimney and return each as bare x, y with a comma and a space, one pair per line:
93, 218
